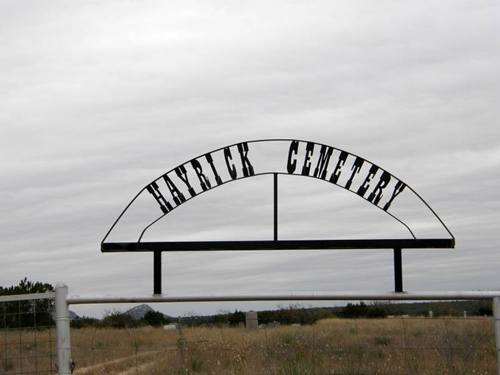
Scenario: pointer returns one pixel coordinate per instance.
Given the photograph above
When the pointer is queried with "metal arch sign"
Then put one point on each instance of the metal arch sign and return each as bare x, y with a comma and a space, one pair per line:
278, 157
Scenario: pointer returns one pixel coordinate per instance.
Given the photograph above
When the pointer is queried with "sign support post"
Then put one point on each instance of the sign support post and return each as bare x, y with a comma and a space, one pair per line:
275, 206
398, 271
156, 272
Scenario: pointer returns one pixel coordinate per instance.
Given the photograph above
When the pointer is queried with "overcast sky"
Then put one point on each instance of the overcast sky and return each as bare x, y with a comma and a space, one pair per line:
98, 98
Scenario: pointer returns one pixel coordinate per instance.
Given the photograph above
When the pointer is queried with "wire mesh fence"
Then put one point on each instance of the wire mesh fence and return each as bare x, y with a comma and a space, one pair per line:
383, 346
27, 335
391, 346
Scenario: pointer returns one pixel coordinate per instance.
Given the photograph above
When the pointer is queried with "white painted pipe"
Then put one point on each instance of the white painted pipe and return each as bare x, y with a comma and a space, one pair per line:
422, 296
63, 331
496, 313
27, 297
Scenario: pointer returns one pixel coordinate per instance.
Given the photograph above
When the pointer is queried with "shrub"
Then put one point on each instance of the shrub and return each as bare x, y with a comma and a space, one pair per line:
117, 319
363, 311
155, 318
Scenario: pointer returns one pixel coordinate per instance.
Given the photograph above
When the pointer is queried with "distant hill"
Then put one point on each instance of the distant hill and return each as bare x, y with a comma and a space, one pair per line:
138, 312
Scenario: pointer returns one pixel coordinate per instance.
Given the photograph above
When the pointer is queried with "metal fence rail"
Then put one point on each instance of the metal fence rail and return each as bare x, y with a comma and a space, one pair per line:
421, 296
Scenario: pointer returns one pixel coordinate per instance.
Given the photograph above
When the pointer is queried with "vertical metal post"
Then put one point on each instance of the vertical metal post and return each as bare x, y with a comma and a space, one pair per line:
275, 206
398, 271
496, 314
157, 272
62, 329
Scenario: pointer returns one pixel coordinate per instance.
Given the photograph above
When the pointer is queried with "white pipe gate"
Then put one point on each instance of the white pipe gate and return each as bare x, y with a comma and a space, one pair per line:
62, 303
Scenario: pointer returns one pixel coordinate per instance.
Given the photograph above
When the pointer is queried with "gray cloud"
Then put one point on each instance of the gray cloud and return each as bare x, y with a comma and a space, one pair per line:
100, 98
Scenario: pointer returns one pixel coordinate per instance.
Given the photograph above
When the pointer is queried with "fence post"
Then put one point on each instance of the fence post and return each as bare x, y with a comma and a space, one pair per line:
62, 330
496, 313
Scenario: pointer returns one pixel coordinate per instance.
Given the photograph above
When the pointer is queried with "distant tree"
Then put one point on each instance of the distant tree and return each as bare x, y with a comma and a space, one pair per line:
33, 313
220, 319
353, 310
363, 311
118, 319
485, 309
84, 321
376, 312
25, 286
154, 318
236, 318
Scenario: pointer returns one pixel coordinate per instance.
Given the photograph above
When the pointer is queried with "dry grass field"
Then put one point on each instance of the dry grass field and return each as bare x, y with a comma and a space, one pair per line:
333, 346
29, 351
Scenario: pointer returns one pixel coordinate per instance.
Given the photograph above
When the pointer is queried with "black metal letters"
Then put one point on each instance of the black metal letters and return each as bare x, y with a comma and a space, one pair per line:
245, 163
292, 163
324, 162
155, 192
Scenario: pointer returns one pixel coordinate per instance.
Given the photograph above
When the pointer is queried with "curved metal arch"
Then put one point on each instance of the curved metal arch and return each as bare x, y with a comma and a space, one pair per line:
265, 173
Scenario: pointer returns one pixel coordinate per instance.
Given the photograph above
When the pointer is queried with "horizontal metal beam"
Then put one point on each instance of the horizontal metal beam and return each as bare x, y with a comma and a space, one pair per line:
420, 296
424, 243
